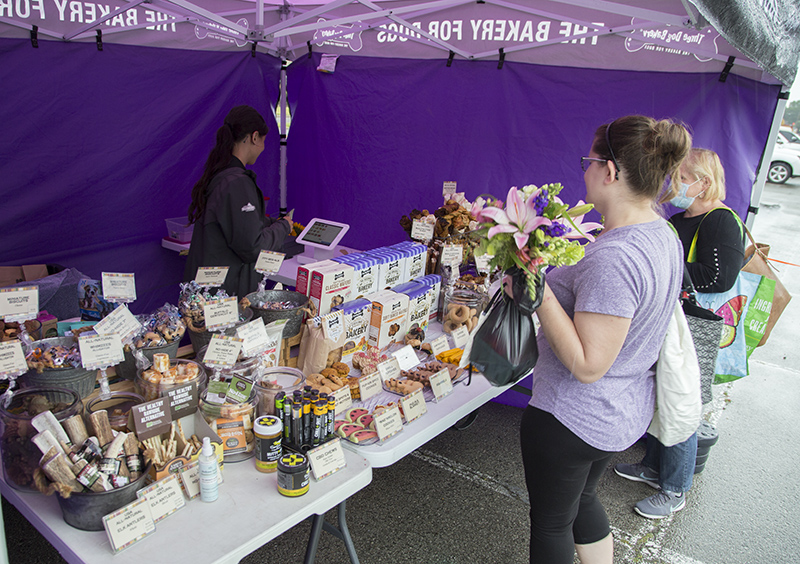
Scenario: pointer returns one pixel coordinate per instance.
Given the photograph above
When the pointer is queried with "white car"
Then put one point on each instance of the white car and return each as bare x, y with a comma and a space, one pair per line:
789, 136
785, 163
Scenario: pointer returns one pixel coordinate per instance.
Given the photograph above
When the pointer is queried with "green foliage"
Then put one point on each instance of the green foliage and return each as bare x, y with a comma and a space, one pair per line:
792, 114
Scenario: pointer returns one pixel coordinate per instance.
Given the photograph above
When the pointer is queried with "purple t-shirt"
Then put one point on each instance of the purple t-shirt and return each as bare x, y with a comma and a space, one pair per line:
633, 272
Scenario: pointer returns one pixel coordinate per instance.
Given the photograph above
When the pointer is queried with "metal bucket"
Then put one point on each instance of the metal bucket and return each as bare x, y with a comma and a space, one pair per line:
127, 368
85, 510
294, 315
78, 379
201, 339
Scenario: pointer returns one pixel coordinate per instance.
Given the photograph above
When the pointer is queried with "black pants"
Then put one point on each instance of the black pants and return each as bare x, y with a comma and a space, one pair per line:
561, 472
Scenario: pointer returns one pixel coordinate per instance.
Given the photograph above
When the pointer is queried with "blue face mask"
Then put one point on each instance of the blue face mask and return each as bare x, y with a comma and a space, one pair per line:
683, 201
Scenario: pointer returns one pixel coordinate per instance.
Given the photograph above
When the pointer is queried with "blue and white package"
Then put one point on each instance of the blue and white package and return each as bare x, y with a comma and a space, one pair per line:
419, 304
357, 314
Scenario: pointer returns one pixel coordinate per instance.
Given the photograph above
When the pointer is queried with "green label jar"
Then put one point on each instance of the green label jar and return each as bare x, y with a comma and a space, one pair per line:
293, 475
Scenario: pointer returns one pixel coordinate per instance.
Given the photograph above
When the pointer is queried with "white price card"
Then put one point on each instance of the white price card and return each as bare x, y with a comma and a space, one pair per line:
414, 406
389, 369
333, 325
370, 385
165, 497
482, 262
222, 351
343, 399
449, 188
460, 336
254, 337
406, 357
19, 303
389, 423
100, 351
452, 254
441, 384
211, 275
421, 230
327, 458
269, 262
118, 287
190, 476
220, 313
12, 359
439, 345
128, 525
120, 321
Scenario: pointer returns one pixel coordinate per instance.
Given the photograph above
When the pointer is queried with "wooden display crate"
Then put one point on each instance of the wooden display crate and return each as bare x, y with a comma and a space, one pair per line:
290, 349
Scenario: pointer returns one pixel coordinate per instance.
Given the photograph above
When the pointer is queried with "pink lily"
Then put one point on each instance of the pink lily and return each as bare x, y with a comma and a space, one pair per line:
519, 217
581, 229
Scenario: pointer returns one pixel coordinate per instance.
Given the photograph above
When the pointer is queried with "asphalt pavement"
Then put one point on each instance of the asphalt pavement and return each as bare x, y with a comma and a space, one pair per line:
461, 499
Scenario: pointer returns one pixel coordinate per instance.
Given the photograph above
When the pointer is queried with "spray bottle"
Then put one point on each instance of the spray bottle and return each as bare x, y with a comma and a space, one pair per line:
209, 468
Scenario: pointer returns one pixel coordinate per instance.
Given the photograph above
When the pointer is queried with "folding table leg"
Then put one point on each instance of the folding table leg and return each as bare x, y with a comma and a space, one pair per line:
318, 523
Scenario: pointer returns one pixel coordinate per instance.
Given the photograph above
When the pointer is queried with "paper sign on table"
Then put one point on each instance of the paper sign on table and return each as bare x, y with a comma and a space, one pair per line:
370, 385
254, 337
190, 477
151, 418
100, 351
449, 188
439, 345
129, 524
182, 400
211, 275
120, 321
406, 357
164, 497
414, 406
269, 262
389, 369
441, 384
343, 399
221, 313
388, 423
460, 336
421, 230
482, 262
327, 458
19, 303
452, 254
118, 287
222, 351
12, 359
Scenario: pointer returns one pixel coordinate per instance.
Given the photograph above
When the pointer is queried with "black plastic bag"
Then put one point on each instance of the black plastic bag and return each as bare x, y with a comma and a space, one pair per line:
504, 346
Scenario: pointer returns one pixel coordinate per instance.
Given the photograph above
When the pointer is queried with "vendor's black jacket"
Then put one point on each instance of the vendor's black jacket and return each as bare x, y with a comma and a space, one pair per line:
233, 230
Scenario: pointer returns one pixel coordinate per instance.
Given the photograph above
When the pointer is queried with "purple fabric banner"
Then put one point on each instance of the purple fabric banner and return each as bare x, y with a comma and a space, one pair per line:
100, 147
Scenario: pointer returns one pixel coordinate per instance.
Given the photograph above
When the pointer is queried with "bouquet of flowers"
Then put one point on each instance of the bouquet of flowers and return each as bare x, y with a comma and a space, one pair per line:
534, 229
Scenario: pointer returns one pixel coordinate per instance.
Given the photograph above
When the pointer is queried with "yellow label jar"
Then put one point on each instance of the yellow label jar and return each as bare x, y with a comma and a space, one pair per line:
293, 475
269, 432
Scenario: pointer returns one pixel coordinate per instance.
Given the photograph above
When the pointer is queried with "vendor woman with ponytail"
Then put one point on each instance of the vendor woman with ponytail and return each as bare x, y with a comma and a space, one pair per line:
227, 209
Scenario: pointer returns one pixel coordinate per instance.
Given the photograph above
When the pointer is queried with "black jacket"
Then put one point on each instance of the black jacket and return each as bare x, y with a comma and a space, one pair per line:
234, 230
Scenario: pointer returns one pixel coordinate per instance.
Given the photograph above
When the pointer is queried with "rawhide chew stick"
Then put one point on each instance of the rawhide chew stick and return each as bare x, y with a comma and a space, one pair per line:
101, 426
47, 421
58, 470
76, 429
46, 441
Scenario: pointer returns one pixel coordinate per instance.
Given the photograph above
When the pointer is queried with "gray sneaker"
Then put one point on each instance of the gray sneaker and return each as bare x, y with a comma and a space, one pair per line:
638, 473
660, 505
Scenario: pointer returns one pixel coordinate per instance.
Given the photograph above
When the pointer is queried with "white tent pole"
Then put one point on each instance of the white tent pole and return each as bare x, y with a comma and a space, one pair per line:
763, 168
104, 19
282, 126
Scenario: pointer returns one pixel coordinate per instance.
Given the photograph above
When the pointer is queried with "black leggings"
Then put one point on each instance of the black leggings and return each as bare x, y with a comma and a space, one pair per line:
561, 472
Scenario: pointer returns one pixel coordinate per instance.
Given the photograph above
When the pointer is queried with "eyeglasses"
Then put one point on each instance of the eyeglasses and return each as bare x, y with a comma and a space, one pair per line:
586, 161
613, 158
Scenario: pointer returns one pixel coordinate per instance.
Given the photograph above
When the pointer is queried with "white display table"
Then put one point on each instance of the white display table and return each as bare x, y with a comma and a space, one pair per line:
248, 514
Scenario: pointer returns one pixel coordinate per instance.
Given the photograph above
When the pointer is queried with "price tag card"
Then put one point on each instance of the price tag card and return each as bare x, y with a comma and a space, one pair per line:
211, 275
269, 262
190, 477
389, 369
389, 423
12, 359
452, 254
19, 303
343, 399
370, 385
222, 351
421, 230
482, 262
449, 188
129, 524
239, 390
221, 313
120, 321
100, 351
151, 418
327, 458
164, 497
414, 406
333, 325
182, 400
254, 337
461, 336
406, 357
441, 384
118, 287
439, 345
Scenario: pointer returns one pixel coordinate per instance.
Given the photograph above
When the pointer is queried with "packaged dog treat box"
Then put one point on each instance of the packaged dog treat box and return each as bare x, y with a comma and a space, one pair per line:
434, 284
304, 274
419, 304
389, 318
330, 286
365, 275
357, 315
391, 267
416, 257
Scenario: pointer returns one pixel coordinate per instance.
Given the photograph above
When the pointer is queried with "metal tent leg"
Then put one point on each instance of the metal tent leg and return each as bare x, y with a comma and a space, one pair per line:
341, 532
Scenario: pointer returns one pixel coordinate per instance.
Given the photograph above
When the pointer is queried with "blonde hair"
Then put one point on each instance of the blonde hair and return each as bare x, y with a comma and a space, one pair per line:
701, 163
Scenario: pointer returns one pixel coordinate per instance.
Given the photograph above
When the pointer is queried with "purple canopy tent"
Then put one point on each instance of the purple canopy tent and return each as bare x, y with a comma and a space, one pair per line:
110, 109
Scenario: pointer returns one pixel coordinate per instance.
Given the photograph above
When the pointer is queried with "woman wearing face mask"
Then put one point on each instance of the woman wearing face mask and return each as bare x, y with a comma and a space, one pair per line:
718, 258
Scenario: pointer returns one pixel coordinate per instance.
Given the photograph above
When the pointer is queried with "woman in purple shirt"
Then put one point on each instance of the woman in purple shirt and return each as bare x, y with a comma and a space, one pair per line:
603, 321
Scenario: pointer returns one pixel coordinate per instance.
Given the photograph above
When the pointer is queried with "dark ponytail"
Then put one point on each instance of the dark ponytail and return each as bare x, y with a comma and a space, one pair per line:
240, 122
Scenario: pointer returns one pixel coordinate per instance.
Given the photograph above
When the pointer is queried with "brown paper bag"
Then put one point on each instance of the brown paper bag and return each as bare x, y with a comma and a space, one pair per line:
317, 349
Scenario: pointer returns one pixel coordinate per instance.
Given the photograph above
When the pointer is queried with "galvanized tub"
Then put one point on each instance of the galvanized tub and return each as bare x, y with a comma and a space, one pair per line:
78, 379
127, 368
201, 339
293, 315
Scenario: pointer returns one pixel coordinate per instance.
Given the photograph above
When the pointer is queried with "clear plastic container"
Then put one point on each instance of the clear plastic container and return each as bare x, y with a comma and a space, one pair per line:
233, 422
462, 308
118, 407
275, 380
20, 455
150, 384
248, 368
